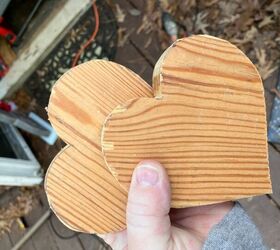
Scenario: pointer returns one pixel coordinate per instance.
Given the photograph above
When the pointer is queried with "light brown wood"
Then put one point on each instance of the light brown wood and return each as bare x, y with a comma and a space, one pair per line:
6, 52
83, 97
80, 189
206, 125
83, 194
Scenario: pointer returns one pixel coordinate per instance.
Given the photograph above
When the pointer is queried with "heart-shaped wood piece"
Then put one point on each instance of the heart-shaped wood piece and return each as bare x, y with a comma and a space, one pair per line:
80, 189
206, 125
83, 194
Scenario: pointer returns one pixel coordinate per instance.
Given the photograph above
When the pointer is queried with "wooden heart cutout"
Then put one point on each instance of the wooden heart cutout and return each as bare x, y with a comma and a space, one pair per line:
80, 189
83, 194
206, 125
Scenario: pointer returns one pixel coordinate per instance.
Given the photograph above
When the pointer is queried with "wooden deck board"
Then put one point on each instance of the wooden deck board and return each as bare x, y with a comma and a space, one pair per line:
274, 164
269, 97
134, 61
69, 244
148, 44
42, 239
16, 234
5, 242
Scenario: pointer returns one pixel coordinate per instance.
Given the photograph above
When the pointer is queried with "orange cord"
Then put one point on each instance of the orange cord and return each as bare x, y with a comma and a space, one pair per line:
77, 56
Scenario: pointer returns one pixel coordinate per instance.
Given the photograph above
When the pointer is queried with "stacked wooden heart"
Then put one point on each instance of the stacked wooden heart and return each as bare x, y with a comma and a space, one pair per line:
204, 121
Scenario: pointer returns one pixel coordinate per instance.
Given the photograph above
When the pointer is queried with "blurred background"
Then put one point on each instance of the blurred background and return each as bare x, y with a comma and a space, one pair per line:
42, 39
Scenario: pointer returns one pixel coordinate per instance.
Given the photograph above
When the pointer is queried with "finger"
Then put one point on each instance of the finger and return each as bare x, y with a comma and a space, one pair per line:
148, 223
117, 241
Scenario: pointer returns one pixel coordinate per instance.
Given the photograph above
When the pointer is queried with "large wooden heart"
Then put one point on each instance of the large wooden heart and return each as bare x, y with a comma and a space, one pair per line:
205, 124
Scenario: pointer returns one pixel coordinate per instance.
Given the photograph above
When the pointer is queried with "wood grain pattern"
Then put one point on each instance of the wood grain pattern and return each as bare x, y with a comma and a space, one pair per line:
83, 194
206, 125
83, 97
80, 189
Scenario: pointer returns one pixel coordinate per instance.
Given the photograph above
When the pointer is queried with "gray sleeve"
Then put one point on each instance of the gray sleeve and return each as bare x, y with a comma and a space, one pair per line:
235, 232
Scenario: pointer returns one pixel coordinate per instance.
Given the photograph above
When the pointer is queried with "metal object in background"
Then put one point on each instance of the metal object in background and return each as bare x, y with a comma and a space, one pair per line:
18, 165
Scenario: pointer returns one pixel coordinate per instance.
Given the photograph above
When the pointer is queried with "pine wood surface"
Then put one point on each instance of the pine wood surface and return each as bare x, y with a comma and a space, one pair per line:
80, 101
206, 125
83, 194
83, 97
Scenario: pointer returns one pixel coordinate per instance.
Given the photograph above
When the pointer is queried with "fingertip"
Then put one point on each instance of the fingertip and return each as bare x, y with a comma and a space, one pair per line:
148, 206
149, 173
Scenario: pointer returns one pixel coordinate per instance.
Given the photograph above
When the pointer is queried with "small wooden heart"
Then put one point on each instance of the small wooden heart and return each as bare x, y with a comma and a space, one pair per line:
205, 123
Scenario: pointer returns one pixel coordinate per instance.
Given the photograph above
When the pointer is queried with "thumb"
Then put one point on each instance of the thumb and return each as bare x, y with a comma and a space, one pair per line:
148, 223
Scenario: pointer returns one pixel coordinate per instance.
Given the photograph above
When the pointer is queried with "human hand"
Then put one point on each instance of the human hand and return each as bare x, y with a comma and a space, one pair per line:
151, 225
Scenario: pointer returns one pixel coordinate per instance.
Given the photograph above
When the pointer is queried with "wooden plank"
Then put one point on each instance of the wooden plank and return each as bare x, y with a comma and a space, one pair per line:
274, 164
43, 198
80, 102
266, 217
83, 97
5, 242
58, 23
42, 239
269, 84
206, 125
71, 244
84, 194
45, 238
147, 43
16, 234
60, 244
232, 96
138, 4
129, 57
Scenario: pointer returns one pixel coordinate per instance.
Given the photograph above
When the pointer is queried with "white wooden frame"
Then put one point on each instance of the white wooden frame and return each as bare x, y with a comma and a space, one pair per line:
19, 172
46, 39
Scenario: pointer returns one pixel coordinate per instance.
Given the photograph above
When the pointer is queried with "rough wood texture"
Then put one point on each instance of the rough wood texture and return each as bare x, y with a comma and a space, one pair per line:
80, 189
83, 194
206, 125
